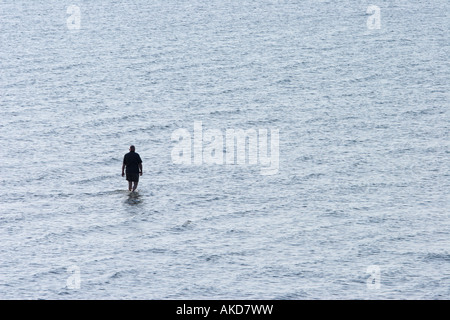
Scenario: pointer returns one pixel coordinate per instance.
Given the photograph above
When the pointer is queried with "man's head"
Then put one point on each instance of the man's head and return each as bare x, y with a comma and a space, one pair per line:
132, 148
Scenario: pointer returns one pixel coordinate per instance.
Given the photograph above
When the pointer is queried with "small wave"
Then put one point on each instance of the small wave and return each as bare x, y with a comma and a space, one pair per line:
210, 257
95, 179
437, 257
293, 296
123, 273
185, 226
313, 176
50, 272
225, 112
11, 218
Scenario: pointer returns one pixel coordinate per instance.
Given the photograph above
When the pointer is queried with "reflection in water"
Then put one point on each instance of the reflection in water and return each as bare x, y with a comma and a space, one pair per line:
133, 198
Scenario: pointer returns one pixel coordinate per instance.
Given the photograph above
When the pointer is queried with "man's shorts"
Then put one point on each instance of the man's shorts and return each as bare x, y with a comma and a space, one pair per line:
133, 177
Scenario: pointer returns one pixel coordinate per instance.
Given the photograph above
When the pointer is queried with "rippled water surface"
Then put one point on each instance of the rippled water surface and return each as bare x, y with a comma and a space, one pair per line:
363, 181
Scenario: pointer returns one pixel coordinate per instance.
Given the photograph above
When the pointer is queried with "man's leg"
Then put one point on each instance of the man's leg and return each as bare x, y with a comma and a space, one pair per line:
135, 185
129, 185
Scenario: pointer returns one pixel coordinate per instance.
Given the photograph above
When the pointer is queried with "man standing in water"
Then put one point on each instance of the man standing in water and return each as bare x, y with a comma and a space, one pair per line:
133, 163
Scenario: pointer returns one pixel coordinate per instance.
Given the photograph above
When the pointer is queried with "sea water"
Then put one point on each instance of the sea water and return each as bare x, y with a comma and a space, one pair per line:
358, 207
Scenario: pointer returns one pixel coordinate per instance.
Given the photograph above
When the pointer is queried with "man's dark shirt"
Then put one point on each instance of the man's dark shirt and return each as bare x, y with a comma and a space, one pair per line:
132, 160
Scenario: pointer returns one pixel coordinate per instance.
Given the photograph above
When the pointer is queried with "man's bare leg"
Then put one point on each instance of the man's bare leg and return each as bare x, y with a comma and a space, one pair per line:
135, 185
129, 185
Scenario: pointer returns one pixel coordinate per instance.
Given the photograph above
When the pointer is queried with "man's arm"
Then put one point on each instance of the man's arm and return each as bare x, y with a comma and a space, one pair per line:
123, 166
140, 168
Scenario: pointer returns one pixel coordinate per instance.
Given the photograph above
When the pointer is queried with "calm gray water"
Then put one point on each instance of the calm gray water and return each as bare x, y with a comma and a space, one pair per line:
363, 181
